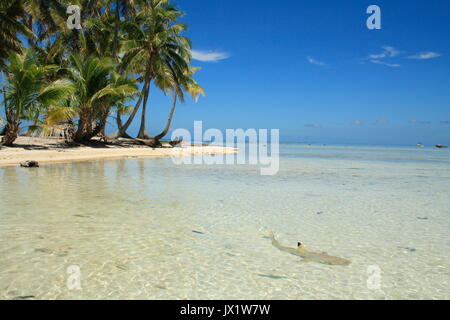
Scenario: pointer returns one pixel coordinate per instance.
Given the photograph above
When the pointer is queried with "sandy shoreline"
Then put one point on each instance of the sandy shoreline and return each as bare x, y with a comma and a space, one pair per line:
55, 151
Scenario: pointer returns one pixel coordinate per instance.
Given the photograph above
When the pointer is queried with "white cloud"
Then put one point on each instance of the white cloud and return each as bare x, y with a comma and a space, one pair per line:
357, 122
425, 55
393, 65
314, 61
388, 52
377, 56
209, 56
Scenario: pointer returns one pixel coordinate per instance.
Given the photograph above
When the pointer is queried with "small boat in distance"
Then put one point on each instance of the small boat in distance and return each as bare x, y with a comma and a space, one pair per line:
420, 145
440, 146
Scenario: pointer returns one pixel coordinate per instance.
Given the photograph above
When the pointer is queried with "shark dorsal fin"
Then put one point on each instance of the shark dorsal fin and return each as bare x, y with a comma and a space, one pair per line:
300, 247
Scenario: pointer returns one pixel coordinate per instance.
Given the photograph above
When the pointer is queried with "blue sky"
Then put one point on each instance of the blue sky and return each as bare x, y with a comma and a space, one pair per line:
315, 71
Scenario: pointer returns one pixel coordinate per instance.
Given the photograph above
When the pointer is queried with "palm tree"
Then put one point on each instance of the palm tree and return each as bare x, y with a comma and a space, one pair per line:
154, 43
181, 82
3, 131
10, 27
96, 89
126, 8
27, 91
123, 42
44, 17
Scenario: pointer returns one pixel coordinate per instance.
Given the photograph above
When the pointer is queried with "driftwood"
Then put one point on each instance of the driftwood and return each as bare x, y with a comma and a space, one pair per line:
29, 164
152, 142
176, 143
155, 143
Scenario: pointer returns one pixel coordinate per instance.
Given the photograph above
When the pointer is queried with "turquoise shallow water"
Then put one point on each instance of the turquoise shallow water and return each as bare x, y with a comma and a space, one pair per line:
128, 226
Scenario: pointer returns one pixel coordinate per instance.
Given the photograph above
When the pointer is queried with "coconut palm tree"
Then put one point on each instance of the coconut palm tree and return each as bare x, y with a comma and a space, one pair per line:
154, 42
127, 9
182, 82
44, 17
10, 27
27, 90
96, 90
123, 42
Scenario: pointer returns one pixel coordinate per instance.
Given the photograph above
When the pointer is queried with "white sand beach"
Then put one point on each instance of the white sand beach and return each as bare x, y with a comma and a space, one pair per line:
48, 150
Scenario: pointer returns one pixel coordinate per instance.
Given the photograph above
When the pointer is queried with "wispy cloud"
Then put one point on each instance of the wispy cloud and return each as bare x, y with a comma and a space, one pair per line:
209, 56
388, 52
377, 56
312, 125
391, 51
316, 62
393, 65
425, 55
357, 122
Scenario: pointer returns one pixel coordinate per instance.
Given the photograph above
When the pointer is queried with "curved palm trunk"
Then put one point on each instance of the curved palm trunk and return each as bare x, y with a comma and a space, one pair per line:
119, 120
122, 129
114, 49
169, 121
119, 125
3, 131
12, 128
79, 134
142, 131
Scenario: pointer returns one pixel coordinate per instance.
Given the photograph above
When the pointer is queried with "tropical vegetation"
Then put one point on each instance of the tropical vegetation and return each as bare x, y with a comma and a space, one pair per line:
59, 80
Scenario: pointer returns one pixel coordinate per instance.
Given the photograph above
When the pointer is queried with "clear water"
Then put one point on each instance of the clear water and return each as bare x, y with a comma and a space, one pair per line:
128, 226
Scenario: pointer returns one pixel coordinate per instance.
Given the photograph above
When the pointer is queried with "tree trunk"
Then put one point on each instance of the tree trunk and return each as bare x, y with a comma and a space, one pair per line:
3, 131
142, 131
119, 125
122, 130
116, 31
169, 121
79, 134
98, 129
119, 120
11, 134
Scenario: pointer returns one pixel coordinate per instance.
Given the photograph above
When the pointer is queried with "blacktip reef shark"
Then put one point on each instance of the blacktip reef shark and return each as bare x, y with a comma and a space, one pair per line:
308, 256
